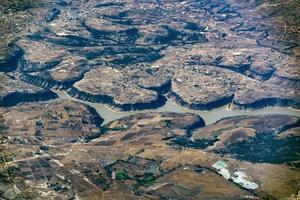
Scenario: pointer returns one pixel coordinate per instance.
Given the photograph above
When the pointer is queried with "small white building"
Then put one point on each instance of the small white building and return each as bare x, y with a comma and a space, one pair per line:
239, 178
113, 176
221, 167
225, 173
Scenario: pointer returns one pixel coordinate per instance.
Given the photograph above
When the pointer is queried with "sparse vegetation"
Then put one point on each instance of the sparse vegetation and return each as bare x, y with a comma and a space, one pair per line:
4, 177
147, 180
122, 175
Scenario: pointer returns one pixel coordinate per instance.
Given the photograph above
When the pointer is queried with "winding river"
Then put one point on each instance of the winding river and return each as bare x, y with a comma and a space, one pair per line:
210, 117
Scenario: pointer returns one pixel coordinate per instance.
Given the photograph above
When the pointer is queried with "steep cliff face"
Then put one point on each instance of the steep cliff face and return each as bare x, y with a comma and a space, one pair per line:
136, 87
265, 102
219, 102
47, 82
14, 91
159, 101
16, 97
10, 58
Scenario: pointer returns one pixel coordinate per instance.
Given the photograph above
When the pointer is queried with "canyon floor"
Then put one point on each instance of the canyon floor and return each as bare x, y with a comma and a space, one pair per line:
85, 96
